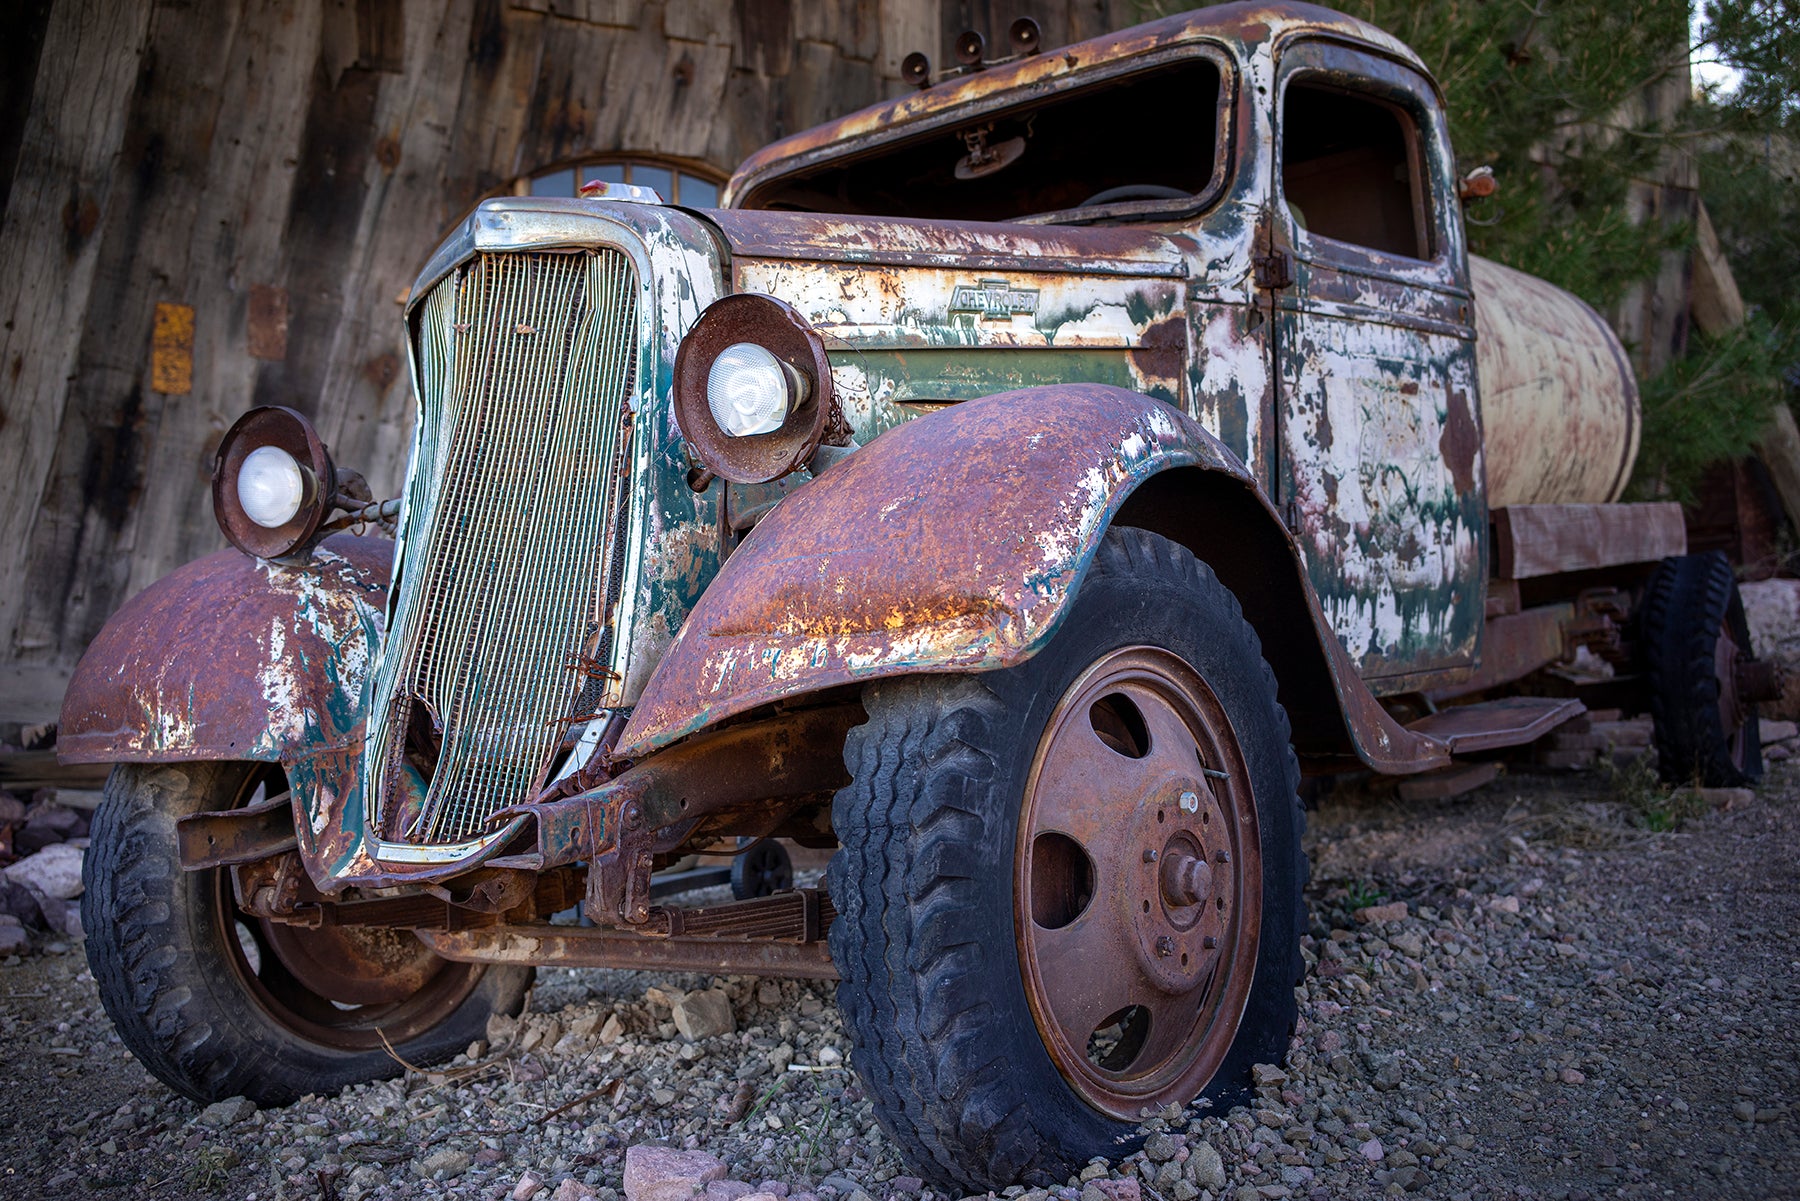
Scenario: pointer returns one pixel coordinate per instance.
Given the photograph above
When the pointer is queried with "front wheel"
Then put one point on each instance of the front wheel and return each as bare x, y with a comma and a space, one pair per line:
1069, 893
218, 1003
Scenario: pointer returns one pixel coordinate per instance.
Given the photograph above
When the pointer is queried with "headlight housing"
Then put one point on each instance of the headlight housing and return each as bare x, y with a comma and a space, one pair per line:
272, 483
752, 388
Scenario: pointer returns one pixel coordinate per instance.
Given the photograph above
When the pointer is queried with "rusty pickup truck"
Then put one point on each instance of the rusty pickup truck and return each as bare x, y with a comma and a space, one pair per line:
1017, 486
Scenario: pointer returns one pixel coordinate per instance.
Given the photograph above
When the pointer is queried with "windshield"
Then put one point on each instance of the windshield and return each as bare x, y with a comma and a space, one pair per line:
1145, 145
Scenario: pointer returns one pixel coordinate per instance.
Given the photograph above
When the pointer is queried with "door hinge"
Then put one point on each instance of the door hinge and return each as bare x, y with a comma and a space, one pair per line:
1290, 516
1274, 270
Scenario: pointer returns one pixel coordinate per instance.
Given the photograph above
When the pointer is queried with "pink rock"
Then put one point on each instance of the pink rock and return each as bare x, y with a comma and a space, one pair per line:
573, 1190
1119, 1190
529, 1183
1372, 1150
1393, 911
665, 1174
728, 1190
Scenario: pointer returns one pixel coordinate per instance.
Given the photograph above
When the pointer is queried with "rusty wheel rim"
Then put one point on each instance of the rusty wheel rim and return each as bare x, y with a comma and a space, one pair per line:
1138, 888
350, 989
1733, 714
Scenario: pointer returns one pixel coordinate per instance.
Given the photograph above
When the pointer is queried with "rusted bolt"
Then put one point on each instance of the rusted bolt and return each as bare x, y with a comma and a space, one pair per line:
632, 814
1150, 856
1186, 879
1165, 946
1190, 802
1210, 943
1224, 856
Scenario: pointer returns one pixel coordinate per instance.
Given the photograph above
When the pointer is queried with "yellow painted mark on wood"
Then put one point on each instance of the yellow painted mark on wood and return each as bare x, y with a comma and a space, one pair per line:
172, 350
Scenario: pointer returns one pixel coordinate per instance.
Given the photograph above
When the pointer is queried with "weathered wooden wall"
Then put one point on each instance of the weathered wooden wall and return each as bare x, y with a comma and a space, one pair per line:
281, 168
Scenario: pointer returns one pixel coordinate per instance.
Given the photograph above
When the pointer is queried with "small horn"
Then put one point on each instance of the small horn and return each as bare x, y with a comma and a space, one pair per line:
1024, 36
970, 47
915, 69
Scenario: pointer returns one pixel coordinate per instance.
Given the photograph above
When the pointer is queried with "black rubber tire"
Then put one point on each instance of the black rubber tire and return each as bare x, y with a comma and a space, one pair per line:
762, 870
924, 941
1689, 603
155, 945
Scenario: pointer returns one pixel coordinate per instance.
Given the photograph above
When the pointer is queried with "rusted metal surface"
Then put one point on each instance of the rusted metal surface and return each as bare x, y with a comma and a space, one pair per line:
1540, 540
1138, 883
573, 946
1380, 446
214, 839
904, 558
775, 326
1516, 644
1559, 400
231, 657
1251, 27
1489, 725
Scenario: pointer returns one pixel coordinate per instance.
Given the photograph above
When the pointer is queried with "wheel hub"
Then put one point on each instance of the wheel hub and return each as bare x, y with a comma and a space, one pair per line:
1175, 887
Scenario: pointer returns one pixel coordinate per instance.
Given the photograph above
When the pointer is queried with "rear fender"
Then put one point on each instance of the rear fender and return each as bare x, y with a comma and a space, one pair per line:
955, 543
230, 657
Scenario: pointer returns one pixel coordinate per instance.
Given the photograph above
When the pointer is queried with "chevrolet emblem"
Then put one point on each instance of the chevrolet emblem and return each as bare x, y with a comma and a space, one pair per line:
993, 300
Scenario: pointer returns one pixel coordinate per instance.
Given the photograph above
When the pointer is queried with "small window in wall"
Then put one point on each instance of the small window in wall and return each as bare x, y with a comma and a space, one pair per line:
1350, 170
677, 185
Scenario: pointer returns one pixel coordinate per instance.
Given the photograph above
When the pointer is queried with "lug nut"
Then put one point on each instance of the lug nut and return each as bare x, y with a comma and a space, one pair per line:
1224, 856
1165, 946
1150, 856
1211, 943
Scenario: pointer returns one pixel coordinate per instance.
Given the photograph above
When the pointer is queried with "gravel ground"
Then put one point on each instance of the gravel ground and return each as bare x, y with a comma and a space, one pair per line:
1521, 993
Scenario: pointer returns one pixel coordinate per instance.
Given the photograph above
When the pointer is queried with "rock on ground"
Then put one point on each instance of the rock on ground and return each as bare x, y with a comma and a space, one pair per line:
53, 873
663, 1174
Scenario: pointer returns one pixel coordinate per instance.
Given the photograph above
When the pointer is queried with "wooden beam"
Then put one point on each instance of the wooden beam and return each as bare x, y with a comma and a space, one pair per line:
1539, 540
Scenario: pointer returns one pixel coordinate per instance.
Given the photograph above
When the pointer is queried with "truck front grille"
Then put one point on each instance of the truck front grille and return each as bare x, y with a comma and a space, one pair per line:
513, 514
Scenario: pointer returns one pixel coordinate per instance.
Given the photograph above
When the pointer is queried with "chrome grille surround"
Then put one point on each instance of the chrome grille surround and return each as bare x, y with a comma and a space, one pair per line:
514, 510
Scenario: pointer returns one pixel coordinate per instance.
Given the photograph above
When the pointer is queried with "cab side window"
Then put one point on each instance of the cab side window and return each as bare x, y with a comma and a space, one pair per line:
1350, 170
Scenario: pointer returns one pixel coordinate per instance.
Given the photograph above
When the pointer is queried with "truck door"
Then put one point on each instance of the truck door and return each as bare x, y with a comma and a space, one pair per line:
1380, 472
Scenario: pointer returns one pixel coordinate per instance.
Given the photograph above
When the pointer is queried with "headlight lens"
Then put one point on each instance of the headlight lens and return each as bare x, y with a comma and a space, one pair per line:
270, 486
752, 391
272, 482
747, 390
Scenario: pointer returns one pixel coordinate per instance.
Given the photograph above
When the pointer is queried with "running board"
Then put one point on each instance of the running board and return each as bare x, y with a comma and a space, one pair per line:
1490, 725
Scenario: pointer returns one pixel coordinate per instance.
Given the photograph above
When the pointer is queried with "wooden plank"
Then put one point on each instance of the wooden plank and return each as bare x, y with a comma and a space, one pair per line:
22, 771
1780, 453
1540, 540
63, 184
1715, 301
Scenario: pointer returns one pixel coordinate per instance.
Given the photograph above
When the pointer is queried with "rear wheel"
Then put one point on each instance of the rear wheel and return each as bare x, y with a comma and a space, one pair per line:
216, 1002
1695, 642
1070, 892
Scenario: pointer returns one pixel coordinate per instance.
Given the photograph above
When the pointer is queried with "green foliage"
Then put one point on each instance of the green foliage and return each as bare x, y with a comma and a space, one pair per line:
1712, 404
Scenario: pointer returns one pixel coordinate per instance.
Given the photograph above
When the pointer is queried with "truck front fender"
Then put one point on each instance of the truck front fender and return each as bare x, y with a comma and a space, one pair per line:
955, 543
230, 657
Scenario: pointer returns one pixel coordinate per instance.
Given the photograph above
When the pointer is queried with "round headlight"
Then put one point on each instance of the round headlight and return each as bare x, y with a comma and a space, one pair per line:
752, 388
272, 483
747, 390
270, 487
